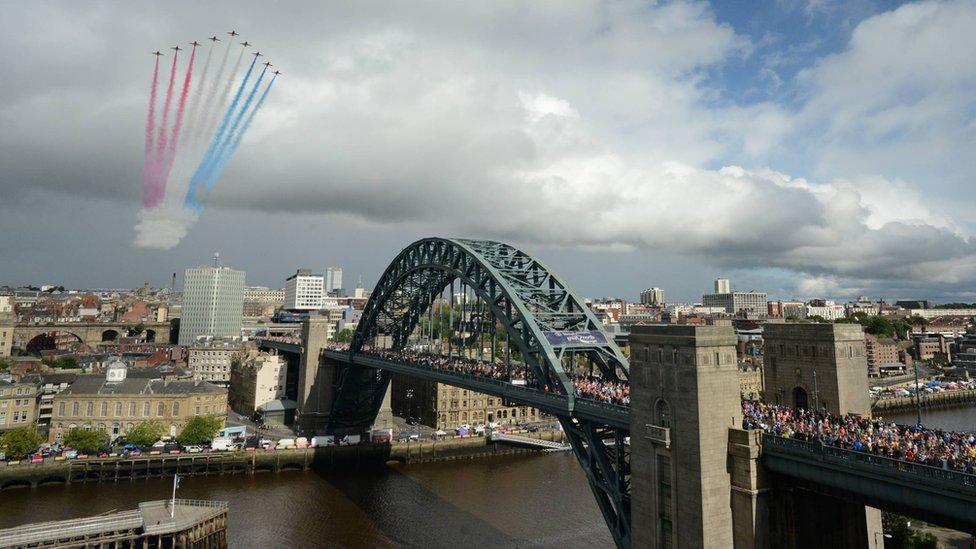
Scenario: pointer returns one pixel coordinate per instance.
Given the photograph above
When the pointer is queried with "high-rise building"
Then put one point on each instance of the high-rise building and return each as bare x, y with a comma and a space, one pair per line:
333, 279
723, 286
213, 303
304, 291
652, 296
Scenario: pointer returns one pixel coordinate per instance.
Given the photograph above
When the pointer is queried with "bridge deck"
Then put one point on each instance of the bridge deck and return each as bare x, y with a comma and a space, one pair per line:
607, 414
929, 493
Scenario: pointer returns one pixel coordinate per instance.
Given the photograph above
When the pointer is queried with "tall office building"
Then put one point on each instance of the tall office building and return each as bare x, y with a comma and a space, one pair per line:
652, 296
304, 291
213, 303
723, 286
333, 279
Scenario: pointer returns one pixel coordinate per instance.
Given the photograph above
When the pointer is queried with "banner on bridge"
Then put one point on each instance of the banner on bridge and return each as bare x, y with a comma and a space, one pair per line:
564, 338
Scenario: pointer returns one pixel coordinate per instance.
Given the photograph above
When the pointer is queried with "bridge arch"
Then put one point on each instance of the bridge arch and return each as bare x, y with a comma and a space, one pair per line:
110, 335
545, 321
52, 340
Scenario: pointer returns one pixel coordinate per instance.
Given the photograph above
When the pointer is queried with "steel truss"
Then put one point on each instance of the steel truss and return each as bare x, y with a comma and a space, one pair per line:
531, 303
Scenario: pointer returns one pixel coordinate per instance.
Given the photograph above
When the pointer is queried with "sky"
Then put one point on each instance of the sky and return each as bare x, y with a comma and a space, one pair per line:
817, 148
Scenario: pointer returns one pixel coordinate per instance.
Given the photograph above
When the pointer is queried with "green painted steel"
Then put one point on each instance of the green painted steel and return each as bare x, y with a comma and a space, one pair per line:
545, 321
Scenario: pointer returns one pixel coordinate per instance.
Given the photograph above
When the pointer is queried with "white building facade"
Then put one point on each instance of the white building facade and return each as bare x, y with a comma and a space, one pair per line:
304, 291
333, 279
652, 296
213, 303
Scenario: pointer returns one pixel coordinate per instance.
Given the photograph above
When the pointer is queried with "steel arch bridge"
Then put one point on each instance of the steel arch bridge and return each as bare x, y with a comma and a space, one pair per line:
549, 326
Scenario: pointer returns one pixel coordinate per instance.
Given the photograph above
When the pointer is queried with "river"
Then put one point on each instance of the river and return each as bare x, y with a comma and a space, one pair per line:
538, 500
955, 419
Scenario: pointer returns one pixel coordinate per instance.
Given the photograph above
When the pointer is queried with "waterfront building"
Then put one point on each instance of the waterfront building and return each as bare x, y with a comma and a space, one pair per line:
256, 380
18, 404
884, 356
213, 302
210, 360
304, 291
115, 403
447, 407
816, 365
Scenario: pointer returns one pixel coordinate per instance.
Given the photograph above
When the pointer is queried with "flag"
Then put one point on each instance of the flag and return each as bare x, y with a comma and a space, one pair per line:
176, 482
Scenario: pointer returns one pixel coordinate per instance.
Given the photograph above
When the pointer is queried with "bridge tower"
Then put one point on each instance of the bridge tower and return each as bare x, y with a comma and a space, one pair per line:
315, 377
684, 398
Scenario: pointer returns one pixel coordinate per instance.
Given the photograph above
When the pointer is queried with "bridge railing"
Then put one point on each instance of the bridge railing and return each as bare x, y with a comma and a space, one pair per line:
867, 461
532, 397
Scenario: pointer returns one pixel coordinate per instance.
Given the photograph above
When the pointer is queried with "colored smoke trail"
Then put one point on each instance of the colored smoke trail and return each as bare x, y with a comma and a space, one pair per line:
150, 130
156, 192
223, 152
204, 170
177, 126
223, 96
207, 116
247, 124
191, 119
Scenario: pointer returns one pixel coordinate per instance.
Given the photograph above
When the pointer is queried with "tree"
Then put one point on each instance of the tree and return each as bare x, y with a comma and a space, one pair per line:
903, 536
20, 441
345, 336
198, 430
84, 440
146, 433
4, 365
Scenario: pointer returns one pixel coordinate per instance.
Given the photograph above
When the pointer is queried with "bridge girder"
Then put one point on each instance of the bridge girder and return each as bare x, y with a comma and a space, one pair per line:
534, 306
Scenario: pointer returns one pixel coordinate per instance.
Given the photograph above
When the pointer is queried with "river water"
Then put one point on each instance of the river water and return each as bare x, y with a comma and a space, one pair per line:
536, 500
955, 419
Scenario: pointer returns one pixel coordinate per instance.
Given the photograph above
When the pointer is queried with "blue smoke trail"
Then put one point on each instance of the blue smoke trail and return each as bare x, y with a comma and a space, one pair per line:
247, 124
223, 153
204, 170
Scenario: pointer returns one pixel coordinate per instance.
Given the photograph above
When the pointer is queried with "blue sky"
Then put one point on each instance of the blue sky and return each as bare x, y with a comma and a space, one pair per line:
812, 148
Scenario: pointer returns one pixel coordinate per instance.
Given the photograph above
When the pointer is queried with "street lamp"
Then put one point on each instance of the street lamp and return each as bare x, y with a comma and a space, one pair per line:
886, 536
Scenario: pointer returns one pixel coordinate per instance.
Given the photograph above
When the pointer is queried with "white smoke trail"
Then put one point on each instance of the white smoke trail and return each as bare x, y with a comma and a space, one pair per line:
192, 123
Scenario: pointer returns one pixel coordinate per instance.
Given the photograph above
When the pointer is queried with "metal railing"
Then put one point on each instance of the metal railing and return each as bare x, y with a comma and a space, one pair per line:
68, 529
866, 461
182, 523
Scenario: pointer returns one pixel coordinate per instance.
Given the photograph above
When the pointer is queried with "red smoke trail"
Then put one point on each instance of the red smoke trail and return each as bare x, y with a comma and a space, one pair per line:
156, 195
150, 129
177, 126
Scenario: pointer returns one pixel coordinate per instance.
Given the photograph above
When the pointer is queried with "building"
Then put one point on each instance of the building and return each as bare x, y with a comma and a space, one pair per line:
932, 347
949, 326
256, 380
884, 356
213, 303
304, 291
752, 302
333, 280
447, 407
115, 403
210, 360
723, 286
6, 304
816, 365
18, 404
7, 325
652, 296
263, 294
685, 395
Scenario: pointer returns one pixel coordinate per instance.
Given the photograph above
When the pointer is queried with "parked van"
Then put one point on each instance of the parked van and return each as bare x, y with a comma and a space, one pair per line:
286, 443
222, 444
318, 442
301, 442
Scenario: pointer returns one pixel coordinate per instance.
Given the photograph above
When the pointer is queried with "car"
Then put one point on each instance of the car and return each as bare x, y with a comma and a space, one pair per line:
37, 458
286, 442
301, 442
193, 449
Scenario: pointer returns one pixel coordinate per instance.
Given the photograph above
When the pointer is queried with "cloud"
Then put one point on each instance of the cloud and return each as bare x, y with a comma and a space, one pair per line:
589, 126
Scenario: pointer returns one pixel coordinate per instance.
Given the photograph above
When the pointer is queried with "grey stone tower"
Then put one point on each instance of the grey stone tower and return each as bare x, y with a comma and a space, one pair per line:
684, 398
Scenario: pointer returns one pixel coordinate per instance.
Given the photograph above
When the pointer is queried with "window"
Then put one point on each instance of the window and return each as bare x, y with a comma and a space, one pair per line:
132, 409
61, 407
665, 505
75, 408
118, 408
662, 414
160, 409
104, 409
176, 409
145, 409
91, 409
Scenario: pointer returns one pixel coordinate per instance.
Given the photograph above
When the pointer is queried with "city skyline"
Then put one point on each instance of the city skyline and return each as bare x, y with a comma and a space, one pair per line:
832, 168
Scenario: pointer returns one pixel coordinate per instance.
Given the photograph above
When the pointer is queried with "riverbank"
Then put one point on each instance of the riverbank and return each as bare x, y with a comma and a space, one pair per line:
256, 461
935, 401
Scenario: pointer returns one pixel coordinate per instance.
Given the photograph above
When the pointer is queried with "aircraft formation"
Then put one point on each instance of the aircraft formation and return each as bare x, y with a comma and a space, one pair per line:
192, 138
